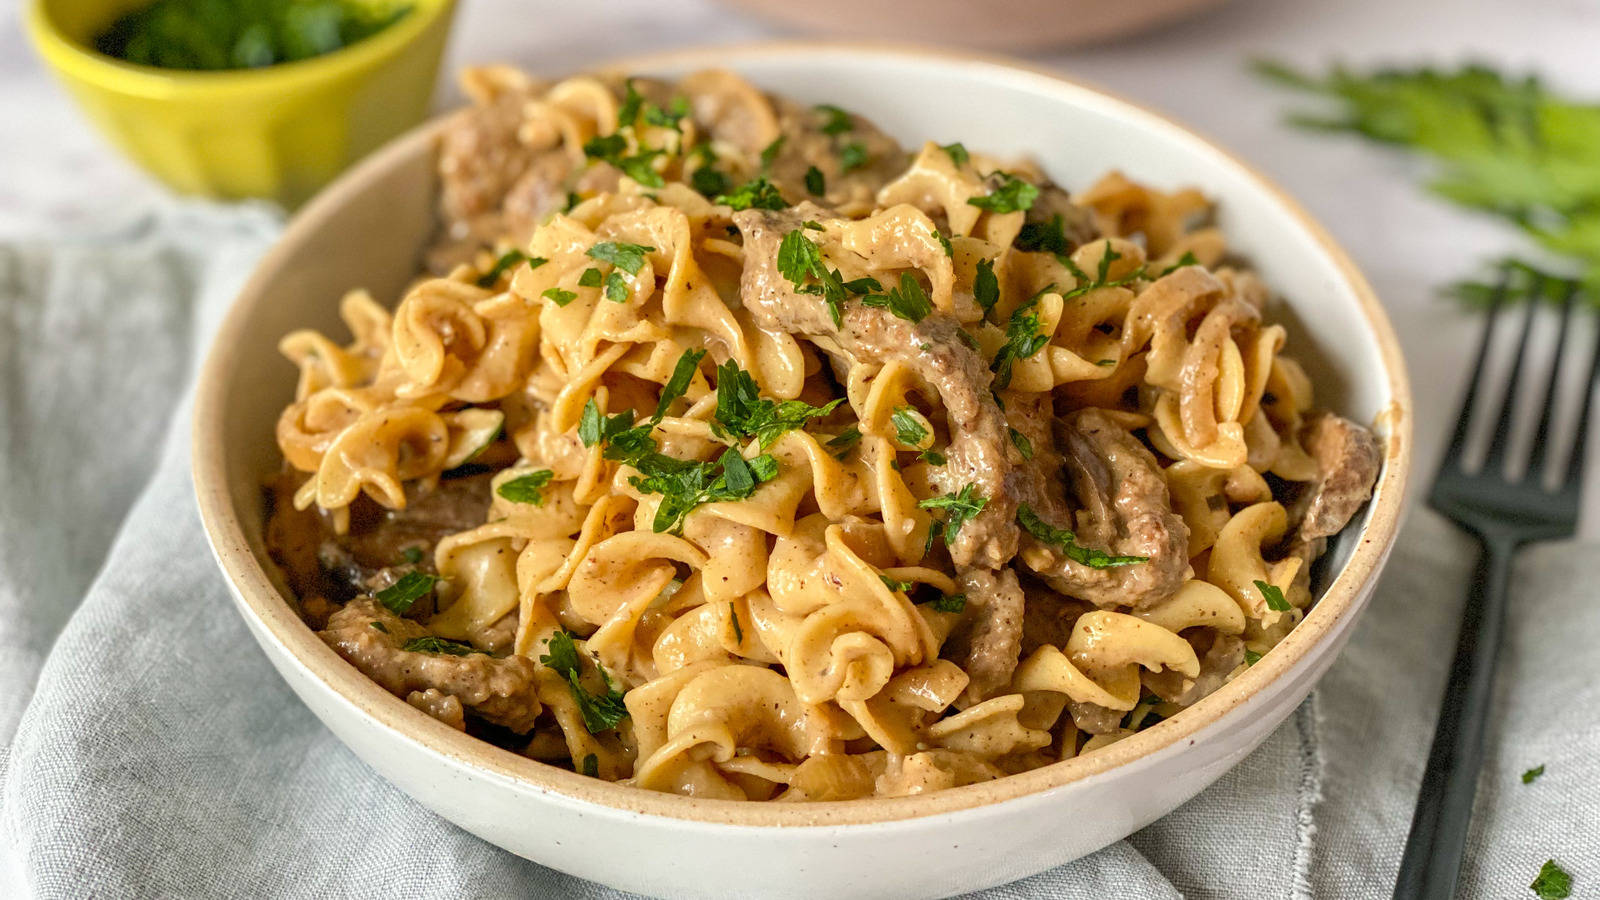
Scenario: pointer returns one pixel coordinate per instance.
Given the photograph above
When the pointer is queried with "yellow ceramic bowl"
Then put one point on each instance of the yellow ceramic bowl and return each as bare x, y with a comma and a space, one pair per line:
278, 132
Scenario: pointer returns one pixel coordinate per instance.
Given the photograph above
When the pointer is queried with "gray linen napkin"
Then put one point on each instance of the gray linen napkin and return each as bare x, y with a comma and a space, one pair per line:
148, 749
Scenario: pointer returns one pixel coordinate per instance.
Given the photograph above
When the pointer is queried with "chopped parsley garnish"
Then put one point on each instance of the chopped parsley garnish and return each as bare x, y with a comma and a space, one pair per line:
1021, 442
959, 508
1023, 339
1102, 274
572, 200
558, 296
669, 116
1273, 596
412, 555
504, 263
589, 278
743, 413
846, 439
1532, 774
685, 486
1043, 237
957, 153
1104, 363
594, 427
769, 154
606, 147
949, 251
708, 181
599, 711
527, 488
431, 644
949, 603
379, 626
985, 286
627, 257
851, 157
591, 766
815, 184
632, 102
907, 430
1552, 883
799, 259
835, 120
738, 632
639, 167
758, 193
1068, 544
1012, 195
908, 301
932, 457
408, 590
617, 287
1251, 657
894, 584
1187, 259
678, 383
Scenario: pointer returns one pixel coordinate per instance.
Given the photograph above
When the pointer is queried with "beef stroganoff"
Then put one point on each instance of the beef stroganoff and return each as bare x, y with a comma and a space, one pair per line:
732, 450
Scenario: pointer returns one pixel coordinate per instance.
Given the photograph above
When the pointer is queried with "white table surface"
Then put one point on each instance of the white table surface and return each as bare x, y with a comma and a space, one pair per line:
58, 177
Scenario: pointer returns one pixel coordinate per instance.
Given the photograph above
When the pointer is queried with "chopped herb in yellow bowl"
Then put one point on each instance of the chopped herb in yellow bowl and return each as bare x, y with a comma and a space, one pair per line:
246, 98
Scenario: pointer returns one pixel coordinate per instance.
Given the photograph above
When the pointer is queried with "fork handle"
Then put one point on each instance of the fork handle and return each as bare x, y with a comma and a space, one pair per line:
1432, 860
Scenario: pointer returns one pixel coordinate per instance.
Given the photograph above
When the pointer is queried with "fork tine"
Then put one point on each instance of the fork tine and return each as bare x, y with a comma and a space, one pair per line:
1458, 439
1580, 441
1540, 452
1496, 457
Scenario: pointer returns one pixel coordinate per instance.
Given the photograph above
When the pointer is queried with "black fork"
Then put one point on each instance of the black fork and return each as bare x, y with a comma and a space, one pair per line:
1503, 512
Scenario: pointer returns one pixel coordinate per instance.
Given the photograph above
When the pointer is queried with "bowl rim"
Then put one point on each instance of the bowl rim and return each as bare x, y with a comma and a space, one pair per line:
302, 648
71, 56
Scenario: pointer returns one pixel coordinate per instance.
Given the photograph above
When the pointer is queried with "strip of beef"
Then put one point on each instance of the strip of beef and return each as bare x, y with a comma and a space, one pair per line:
934, 350
373, 554
497, 689
988, 641
1124, 510
1348, 457
444, 707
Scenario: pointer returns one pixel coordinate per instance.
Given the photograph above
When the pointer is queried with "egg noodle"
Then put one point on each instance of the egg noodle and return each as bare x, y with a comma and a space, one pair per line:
738, 453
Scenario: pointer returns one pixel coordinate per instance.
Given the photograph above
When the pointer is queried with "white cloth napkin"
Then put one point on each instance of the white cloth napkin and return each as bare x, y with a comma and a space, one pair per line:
148, 749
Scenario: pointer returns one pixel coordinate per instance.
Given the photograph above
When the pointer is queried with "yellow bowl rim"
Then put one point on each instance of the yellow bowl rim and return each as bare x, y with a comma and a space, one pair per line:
69, 57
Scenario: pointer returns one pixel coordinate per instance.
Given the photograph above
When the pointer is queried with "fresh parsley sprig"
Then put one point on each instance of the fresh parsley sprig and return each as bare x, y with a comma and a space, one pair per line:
527, 488
411, 587
800, 261
742, 413
444, 646
1273, 595
600, 711
757, 193
909, 301
1067, 542
959, 508
1012, 194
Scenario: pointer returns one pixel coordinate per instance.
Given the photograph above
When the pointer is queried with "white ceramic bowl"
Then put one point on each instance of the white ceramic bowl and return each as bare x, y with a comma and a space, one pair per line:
367, 230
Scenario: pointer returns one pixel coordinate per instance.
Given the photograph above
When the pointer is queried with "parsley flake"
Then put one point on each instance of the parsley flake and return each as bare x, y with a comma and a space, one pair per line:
738, 632
1552, 883
949, 603
758, 193
959, 508
627, 257
908, 301
678, 383
1273, 595
815, 184
769, 153
1532, 774
907, 430
835, 120
504, 263
1067, 542
617, 288
1251, 657
743, 413
526, 488
852, 156
944, 242
957, 153
399, 596
589, 278
591, 766
1011, 195
1043, 237
1021, 442
412, 555
600, 711
985, 286
1187, 259
558, 296
1023, 339
894, 585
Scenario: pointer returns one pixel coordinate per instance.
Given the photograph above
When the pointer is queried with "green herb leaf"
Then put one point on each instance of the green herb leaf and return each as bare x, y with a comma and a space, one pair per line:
412, 555
1021, 442
894, 585
949, 603
846, 439
640, 167
907, 430
1013, 194
591, 766
985, 286
617, 288
526, 488
558, 296
632, 102
1187, 259
1251, 657
379, 626
738, 632
593, 427
589, 278
1552, 883
835, 120
1023, 340
949, 251
758, 193
959, 508
769, 153
670, 116
1043, 237
1273, 596
600, 711
627, 257
504, 263
431, 644
815, 184
411, 587
957, 153
708, 181
678, 383
852, 156
1532, 774
742, 412
909, 301
605, 147
1067, 542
